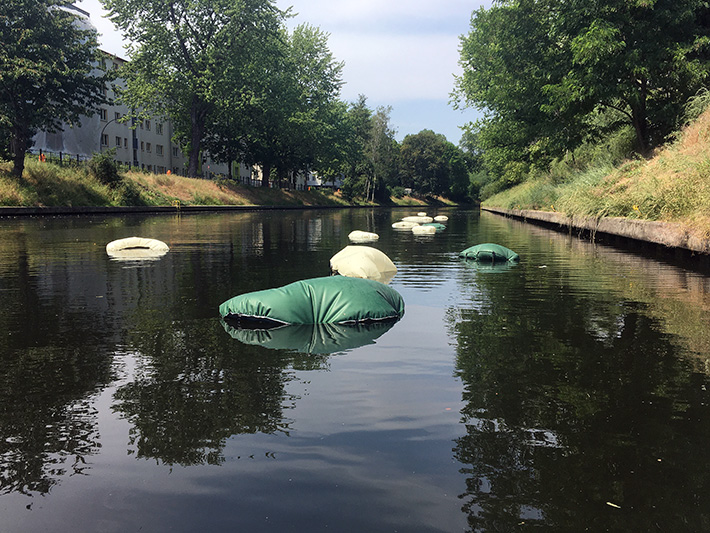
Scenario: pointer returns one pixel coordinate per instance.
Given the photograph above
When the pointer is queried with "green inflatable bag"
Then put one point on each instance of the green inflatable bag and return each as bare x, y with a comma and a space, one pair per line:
328, 300
491, 253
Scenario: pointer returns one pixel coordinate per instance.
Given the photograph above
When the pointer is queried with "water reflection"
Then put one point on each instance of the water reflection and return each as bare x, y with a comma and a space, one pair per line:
312, 338
577, 400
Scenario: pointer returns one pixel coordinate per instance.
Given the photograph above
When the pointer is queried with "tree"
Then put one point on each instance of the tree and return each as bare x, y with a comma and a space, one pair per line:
291, 121
380, 151
184, 53
432, 165
47, 72
542, 69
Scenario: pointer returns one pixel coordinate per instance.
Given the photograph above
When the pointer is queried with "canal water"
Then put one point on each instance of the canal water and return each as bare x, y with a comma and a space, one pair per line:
566, 393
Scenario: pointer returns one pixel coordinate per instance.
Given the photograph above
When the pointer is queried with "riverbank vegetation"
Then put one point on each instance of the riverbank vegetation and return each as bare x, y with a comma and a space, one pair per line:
591, 109
49, 184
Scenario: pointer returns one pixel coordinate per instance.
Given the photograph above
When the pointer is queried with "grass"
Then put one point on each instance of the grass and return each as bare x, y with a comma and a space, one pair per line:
48, 184
671, 186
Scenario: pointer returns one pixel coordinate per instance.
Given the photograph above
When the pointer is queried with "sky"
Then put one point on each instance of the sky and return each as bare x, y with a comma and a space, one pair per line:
398, 53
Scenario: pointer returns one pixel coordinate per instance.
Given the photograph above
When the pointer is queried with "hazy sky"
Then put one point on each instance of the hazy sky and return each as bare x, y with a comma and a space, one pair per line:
398, 53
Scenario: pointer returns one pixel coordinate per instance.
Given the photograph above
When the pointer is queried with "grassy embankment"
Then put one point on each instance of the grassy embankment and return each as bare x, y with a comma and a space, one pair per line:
673, 185
48, 184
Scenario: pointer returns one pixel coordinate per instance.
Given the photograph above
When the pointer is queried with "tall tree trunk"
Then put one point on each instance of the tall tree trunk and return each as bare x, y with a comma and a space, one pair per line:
265, 173
639, 117
18, 147
198, 116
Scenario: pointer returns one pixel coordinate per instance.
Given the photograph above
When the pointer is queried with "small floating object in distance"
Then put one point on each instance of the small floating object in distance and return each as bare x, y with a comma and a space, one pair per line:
362, 236
404, 225
491, 253
424, 230
418, 220
441, 218
437, 225
421, 214
135, 248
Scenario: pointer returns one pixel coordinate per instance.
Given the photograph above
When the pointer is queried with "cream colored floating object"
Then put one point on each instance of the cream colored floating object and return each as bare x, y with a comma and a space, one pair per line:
418, 220
362, 236
424, 230
441, 218
136, 248
363, 262
421, 214
404, 225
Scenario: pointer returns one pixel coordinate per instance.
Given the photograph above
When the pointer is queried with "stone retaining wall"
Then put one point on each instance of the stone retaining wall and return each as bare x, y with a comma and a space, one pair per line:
662, 233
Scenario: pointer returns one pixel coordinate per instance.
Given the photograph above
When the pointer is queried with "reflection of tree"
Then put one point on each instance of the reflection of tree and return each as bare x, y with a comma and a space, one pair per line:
574, 399
196, 387
47, 423
51, 365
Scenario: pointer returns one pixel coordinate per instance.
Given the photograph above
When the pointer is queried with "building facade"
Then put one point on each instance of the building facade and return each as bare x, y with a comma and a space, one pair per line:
146, 145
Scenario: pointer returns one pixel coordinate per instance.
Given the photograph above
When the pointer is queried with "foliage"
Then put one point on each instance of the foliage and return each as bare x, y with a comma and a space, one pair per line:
545, 71
46, 72
673, 186
185, 54
432, 165
299, 130
104, 168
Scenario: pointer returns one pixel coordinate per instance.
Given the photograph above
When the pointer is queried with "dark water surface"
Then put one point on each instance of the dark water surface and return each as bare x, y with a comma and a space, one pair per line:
567, 393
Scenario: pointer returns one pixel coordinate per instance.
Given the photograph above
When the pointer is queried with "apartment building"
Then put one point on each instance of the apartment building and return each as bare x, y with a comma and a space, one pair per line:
145, 145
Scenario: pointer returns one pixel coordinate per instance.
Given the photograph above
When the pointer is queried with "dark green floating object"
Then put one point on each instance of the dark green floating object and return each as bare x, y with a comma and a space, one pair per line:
490, 253
328, 300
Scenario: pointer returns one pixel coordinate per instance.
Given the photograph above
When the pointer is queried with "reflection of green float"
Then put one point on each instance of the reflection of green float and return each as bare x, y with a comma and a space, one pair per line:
311, 338
490, 253
349, 303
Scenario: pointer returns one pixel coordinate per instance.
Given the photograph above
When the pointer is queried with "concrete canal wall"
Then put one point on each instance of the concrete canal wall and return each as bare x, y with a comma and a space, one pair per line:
665, 234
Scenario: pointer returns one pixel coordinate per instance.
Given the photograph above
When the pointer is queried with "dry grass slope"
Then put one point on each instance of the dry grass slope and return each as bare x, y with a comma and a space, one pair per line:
671, 186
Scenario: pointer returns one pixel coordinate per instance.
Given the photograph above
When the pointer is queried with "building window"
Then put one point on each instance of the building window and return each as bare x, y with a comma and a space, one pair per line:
159, 149
125, 142
141, 124
116, 115
142, 146
175, 151
159, 128
147, 125
103, 113
118, 141
104, 139
150, 168
147, 147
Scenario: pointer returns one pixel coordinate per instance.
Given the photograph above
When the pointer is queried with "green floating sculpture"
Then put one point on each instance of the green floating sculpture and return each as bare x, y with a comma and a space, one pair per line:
490, 253
328, 300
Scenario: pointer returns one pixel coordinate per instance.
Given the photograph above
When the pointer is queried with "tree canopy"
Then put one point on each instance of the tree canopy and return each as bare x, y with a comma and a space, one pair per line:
47, 72
543, 70
184, 54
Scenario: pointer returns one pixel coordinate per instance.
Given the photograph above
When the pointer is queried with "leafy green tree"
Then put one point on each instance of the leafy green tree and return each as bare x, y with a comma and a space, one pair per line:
542, 69
432, 165
380, 152
290, 121
184, 53
47, 72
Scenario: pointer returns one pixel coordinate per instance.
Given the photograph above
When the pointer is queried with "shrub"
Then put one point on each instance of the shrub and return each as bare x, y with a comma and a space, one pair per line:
103, 167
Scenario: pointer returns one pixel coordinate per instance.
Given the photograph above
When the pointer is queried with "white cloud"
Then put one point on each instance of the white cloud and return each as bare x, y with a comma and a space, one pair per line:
397, 67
